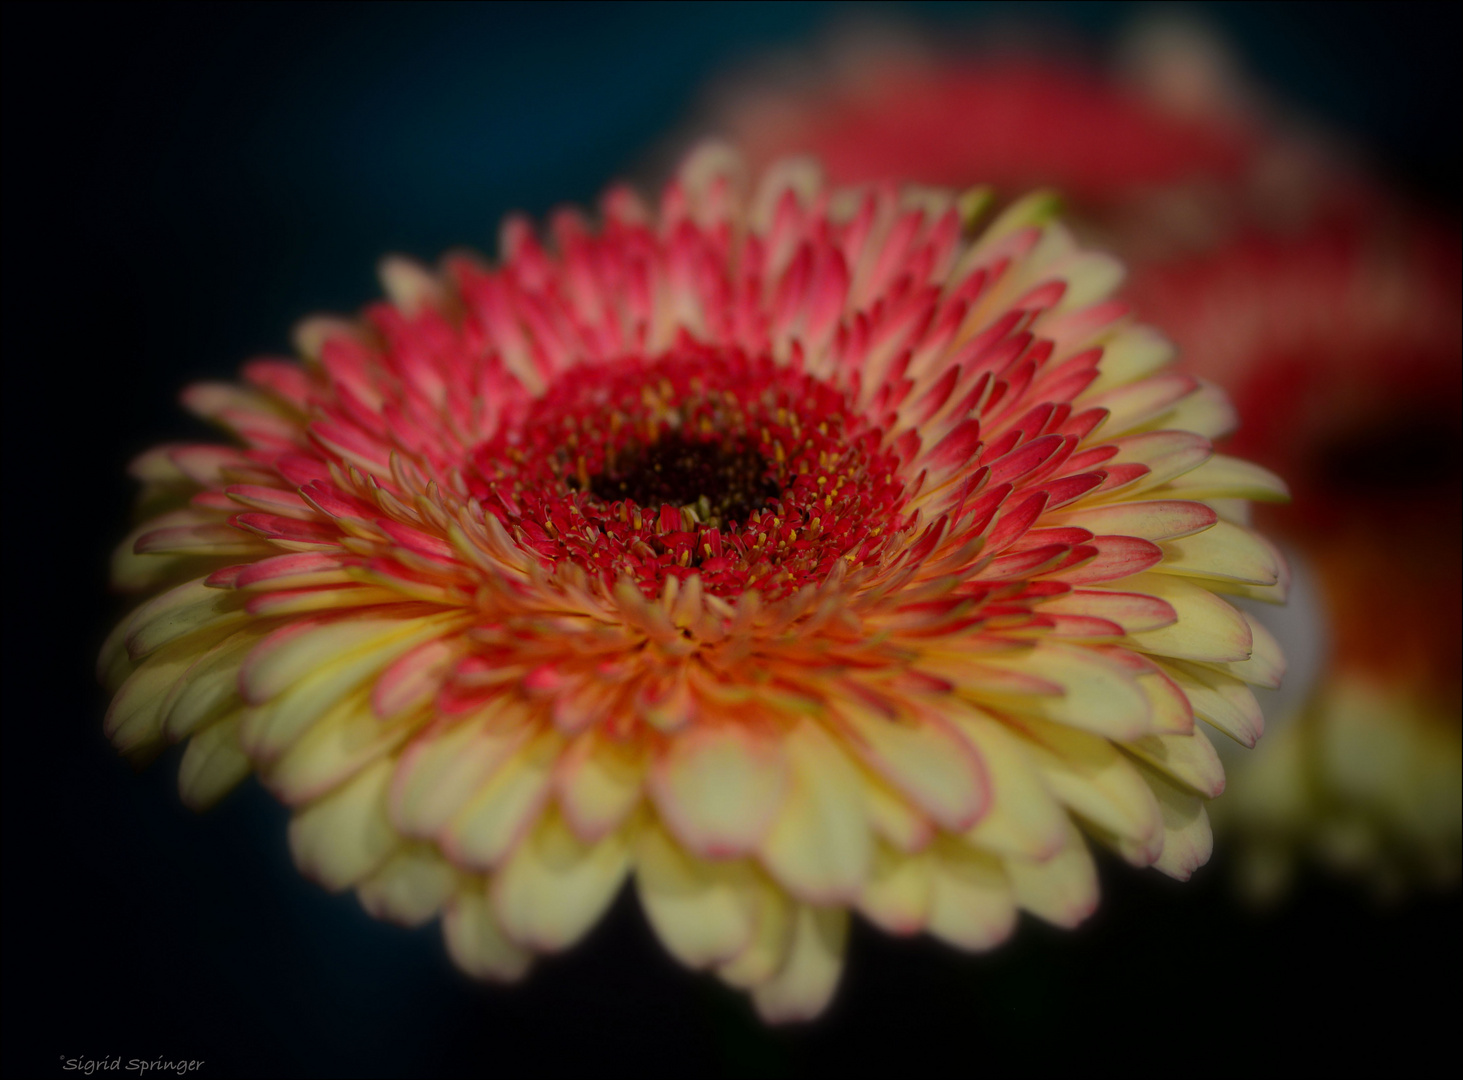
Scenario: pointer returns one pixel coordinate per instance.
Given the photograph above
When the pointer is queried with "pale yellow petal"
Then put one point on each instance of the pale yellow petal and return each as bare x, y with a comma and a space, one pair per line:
719, 789
340, 743
209, 687
923, 760
1208, 629
1187, 839
1023, 820
1092, 778
1101, 696
1266, 663
772, 933
340, 839
1221, 700
698, 909
804, 985
212, 764
1223, 477
1188, 758
897, 893
1225, 552
818, 848
505, 806
410, 887
476, 942
179, 612
893, 818
971, 903
599, 782
1062, 889
446, 766
554, 886
135, 717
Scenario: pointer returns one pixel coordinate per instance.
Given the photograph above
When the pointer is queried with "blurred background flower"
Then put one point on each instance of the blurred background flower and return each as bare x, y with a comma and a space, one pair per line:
1288, 272
182, 183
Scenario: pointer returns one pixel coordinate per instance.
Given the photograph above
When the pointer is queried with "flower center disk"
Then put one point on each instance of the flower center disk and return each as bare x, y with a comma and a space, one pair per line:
747, 472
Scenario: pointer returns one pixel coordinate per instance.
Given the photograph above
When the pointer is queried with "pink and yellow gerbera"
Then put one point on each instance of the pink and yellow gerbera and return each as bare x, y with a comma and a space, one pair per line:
789, 552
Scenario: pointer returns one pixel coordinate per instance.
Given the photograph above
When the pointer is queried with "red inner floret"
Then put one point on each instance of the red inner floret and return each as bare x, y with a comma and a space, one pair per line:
751, 473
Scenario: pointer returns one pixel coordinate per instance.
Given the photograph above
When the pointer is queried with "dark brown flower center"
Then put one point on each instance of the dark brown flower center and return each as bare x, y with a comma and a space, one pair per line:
722, 481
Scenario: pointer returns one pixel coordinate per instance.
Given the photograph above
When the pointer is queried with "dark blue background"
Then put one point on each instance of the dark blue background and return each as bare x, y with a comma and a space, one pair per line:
182, 183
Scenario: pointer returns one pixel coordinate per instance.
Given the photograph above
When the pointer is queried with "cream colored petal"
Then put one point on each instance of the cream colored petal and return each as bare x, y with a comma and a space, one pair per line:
1187, 758
771, 938
212, 764
805, 984
339, 744
897, 894
1208, 411
340, 839
1094, 780
1221, 700
1023, 820
1223, 477
554, 886
210, 685
476, 942
505, 806
410, 887
1101, 696
971, 903
1225, 552
302, 650
1063, 889
1266, 664
135, 717
818, 848
698, 909
599, 782
114, 665
1172, 713
446, 766
295, 680
1152, 519
928, 764
1131, 407
1133, 354
1208, 629
719, 789
1187, 839
179, 612
893, 818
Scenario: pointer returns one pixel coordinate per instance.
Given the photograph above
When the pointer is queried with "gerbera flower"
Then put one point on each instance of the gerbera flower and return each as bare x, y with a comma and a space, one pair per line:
1327, 307
791, 555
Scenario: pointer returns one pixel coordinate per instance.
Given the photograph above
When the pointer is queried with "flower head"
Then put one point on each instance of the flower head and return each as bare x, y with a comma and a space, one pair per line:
792, 552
